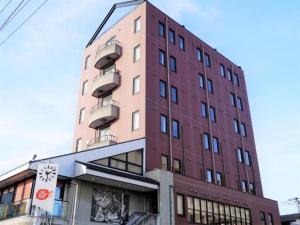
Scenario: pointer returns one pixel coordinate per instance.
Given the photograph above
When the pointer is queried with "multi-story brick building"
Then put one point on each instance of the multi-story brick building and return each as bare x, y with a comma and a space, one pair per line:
148, 83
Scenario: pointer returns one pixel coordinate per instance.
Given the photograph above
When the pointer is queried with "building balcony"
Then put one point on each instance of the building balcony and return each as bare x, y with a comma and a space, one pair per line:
102, 141
105, 82
107, 54
23, 212
103, 113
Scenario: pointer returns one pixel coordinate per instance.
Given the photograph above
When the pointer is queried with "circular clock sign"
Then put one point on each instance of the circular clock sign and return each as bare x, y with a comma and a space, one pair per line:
47, 173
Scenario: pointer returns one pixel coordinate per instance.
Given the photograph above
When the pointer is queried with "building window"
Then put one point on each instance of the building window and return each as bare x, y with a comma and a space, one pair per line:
262, 218
161, 29
243, 186
81, 115
137, 25
210, 88
236, 79
172, 36
209, 176
162, 57
199, 54
181, 43
136, 85
87, 62
247, 158
239, 104
229, 74
174, 95
136, 120
203, 110
206, 141
79, 144
251, 188
222, 70
137, 53
177, 166
243, 130
190, 209
180, 205
219, 178
216, 146
270, 219
232, 99
239, 155
163, 89
173, 66
163, 124
84, 88
207, 60
201, 80
175, 129
212, 112
164, 162
236, 126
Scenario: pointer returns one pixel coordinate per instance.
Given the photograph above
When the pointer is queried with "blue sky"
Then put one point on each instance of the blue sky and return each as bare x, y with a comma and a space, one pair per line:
40, 68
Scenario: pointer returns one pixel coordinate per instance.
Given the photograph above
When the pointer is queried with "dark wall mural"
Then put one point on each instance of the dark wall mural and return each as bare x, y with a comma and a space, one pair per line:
109, 207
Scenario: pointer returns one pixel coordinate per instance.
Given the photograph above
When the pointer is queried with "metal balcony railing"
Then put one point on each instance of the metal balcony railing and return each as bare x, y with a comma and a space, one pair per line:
106, 54
104, 103
102, 139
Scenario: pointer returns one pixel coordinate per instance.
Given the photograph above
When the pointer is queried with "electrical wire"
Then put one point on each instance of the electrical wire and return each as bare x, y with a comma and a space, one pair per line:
28, 18
5, 6
13, 12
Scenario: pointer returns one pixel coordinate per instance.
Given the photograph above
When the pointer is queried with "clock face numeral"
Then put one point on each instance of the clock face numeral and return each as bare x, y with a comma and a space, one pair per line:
47, 173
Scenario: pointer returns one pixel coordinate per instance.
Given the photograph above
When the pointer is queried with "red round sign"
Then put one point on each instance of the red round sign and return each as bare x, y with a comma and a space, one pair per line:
43, 194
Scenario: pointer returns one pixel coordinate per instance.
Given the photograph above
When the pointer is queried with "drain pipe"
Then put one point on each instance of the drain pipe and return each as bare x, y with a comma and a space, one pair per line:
171, 192
74, 203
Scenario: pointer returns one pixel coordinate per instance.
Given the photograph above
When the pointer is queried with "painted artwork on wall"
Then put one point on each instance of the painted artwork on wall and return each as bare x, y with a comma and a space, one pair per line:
109, 207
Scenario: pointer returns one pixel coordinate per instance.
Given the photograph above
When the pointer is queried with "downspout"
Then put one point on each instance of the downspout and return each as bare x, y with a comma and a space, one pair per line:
169, 97
171, 191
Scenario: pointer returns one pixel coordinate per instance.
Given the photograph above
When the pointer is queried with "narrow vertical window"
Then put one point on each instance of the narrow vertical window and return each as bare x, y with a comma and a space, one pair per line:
175, 129
79, 144
199, 54
164, 162
137, 53
84, 88
243, 130
239, 104
212, 112
243, 186
173, 65
162, 57
219, 178
209, 176
252, 188
236, 79
270, 219
163, 89
201, 80
163, 124
136, 85
216, 145
174, 95
239, 155
87, 62
262, 218
172, 36
236, 126
203, 110
161, 29
180, 205
206, 141
207, 60
247, 158
137, 25
190, 209
181, 43
81, 115
135, 120
232, 99
177, 166
210, 88
222, 70
229, 74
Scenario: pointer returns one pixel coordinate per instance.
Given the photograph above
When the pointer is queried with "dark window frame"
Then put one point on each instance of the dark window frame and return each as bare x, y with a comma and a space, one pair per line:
181, 43
161, 27
177, 135
173, 64
160, 124
172, 36
174, 99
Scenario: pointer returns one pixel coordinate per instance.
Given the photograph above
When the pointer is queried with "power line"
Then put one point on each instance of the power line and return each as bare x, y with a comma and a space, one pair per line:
13, 12
5, 6
12, 33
